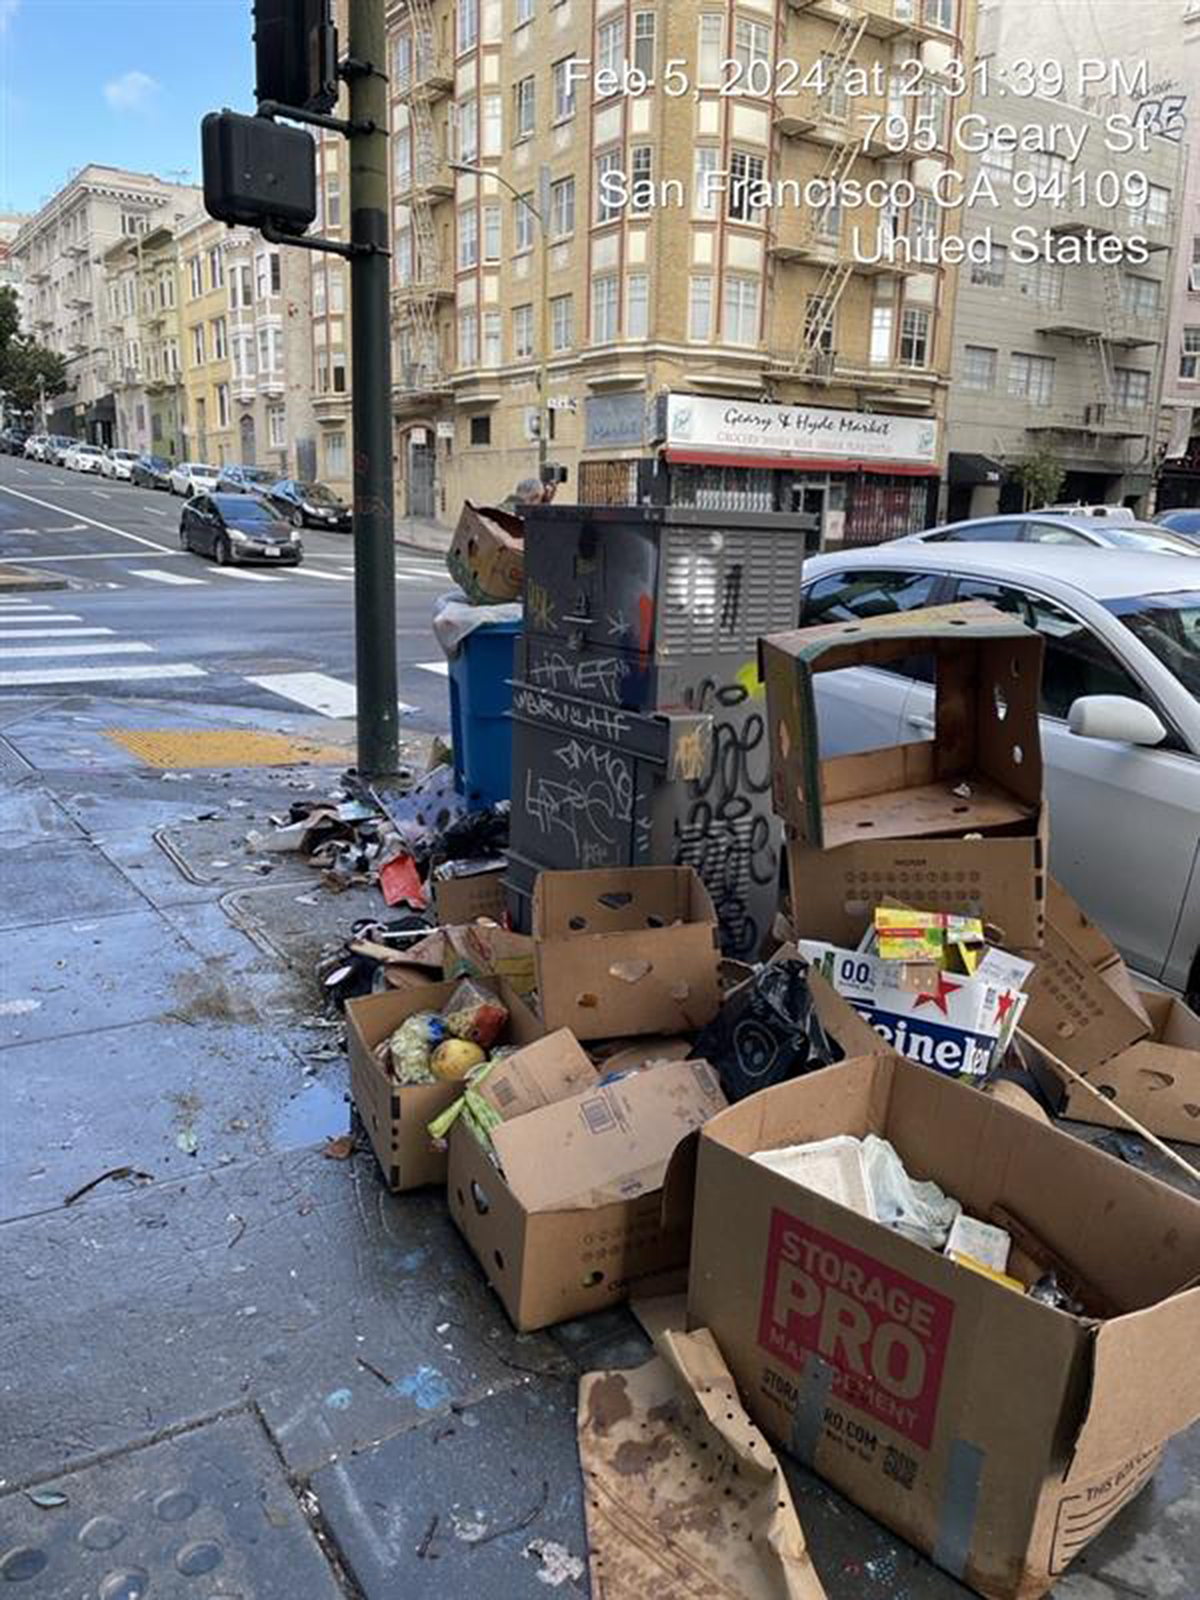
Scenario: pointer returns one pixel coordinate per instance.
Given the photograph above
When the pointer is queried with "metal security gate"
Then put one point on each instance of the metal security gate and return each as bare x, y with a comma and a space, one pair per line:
608, 483
421, 474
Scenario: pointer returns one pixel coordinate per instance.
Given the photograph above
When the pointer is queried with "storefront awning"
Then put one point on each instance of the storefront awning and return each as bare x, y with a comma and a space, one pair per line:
758, 458
965, 468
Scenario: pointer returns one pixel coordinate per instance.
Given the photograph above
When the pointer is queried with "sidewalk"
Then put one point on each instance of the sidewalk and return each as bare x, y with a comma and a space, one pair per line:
22, 580
422, 533
222, 1352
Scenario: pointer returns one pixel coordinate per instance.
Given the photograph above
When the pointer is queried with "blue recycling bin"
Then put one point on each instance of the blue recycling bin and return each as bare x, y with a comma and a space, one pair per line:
481, 671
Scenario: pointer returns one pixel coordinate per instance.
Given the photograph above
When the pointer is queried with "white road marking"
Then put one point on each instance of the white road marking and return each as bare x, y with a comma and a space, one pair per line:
312, 572
91, 555
105, 527
441, 668
421, 577
71, 527
25, 678
18, 530
252, 577
103, 493
39, 614
122, 647
51, 633
162, 577
157, 511
316, 690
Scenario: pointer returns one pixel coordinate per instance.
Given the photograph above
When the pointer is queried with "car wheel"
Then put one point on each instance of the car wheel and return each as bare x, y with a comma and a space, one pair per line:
183, 538
223, 552
297, 519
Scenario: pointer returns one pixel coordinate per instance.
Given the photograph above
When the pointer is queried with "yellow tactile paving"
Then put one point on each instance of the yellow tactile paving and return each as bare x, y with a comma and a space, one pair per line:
222, 747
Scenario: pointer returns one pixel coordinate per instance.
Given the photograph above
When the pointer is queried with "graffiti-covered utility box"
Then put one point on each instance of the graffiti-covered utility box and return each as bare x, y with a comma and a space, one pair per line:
639, 727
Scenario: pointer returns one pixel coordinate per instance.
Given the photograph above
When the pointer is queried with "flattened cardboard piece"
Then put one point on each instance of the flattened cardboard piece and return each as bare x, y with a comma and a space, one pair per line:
981, 771
539, 1074
1156, 1080
608, 1144
641, 1053
462, 900
477, 950
893, 1371
625, 951
834, 892
397, 1116
684, 1495
487, 554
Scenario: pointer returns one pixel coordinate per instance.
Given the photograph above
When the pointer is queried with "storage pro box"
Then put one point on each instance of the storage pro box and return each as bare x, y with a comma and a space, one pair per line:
397, 1115
993, 1432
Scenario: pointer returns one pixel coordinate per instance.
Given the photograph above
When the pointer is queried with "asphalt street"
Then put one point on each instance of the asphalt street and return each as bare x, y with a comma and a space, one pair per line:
143, 618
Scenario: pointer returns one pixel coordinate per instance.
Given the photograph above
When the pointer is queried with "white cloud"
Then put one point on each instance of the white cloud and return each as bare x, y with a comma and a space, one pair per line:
132, 91
8, 10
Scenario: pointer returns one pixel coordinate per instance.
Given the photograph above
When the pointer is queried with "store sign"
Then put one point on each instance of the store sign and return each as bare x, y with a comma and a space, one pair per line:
614, 421
743, 428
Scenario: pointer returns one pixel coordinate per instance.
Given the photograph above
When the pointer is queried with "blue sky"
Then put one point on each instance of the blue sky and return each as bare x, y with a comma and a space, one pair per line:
123, 82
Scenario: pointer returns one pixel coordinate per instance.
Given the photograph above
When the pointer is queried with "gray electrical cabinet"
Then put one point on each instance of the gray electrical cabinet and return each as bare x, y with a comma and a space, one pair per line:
639, 731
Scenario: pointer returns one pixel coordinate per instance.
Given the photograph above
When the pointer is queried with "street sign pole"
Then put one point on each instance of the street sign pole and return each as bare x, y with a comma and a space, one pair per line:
370, 344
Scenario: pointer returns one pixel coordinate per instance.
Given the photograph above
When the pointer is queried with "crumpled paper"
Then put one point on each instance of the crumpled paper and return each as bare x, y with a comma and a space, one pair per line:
685, 1499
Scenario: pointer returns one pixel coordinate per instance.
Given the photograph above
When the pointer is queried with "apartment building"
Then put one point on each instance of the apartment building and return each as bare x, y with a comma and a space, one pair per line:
141, 278
11, 223
708, 333
1059, 330
59, 253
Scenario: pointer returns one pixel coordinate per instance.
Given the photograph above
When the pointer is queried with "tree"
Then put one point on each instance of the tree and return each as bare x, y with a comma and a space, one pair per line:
1041, 476
28, 371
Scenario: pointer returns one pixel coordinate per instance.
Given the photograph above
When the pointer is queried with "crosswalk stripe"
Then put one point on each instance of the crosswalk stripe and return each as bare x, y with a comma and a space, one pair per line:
119, 647
112, 674
252, 577
39, 614
156, 575
313, 572
50, 633
421, 577
316, 690
440, 668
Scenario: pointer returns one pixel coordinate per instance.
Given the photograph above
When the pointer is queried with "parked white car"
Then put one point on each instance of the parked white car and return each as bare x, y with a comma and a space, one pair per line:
1084, 526
1120, 714
85, 458
118, 464
193, 477
34, 446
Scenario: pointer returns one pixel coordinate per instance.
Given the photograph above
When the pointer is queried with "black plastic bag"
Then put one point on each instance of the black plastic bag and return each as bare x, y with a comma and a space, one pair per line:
767, 1032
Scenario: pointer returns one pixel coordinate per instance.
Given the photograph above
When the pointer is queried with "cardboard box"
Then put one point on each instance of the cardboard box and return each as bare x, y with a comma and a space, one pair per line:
476, 950
1139, 1047
979, 772
834, 892
994, 1433
539, 1074
625, 951
397, 1116
576, 1222
463, 899
487, 554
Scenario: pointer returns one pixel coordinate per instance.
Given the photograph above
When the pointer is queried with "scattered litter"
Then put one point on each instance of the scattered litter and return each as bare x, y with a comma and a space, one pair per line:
556, 1563
46, 1499
113, 1172
340, 1399
19, 1008
339, 1149
187, 1141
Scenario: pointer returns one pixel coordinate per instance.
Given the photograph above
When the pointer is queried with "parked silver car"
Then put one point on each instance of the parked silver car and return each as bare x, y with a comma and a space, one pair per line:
1078, 528
1120, 714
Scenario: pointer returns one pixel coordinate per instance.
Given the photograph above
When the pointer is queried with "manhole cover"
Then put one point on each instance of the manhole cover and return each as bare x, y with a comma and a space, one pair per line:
217, 747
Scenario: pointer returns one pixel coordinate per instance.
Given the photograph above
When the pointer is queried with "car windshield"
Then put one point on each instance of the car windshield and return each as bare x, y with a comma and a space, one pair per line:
1169, 626
125, 455
1150, 540
319, 495
257, 475
198, 470
239, 508
160, 463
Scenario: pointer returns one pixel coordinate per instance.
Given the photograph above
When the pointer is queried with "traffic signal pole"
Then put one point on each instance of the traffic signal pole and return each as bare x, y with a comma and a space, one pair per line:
371, 359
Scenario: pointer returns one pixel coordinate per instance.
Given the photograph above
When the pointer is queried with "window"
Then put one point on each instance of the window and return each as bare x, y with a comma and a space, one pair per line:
196, 271
925, 222
1076, 661
222, 405
835, 102
751, 45
562, 322
467, 19
1153, 211
914, 337
1194, 272
998, 161
741, 310
468, 238
492, 339
523, 109
704, 178
337, 364
829, 222
337, 291
641, 189
1189, 355
990, 273
978, 368
198, 357
856, 596
1031, 378
262, 275
268, 351
402, 71
700, 307
745, 187
562, 208
610, 39
333, 201
1052, 533
1048, 167
608, 192
604, 309
133, 223
493, 124
644, 25
818, 324
468, 338
1042, 281
481, 430
524, 222
940, 14
1131, 388
243, 356
637, 305
402, 246
468, 131
216, 268
220, 344
402, 158
276, 271
524, 12
882, 323
564, 89
931, 111
491, 231
277, 427
709, 49
335, 455
318, 292
522, 322
1139, 296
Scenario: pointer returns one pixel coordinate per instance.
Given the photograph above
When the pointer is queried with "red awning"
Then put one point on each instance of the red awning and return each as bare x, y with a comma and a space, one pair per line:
719, 458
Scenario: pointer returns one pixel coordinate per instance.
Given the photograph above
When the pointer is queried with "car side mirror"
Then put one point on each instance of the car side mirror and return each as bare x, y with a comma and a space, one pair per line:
1116, 717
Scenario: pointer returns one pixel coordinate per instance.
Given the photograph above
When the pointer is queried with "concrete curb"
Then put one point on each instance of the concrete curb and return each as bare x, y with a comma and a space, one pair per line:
416, 534
21, 579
